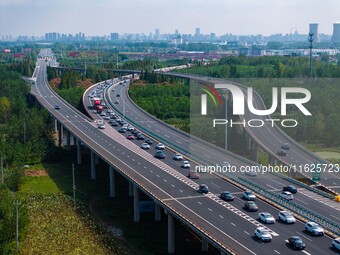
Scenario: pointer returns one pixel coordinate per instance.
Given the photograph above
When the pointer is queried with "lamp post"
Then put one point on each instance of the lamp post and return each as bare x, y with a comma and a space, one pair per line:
310, 39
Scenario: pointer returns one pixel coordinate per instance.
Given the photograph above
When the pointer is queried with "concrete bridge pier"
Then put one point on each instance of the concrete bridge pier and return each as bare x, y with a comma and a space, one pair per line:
255, 152
78, 152
205, 245
136, 213
68, 140
158, 214
130, 189
112, 182
271, 160
60, 134
171, 234
93, 166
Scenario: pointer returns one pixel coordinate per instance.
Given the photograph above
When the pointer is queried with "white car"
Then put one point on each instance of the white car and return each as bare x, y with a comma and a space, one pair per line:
266, 217
186, 164
145, 146
336, 244
314, 229
177, 156
102, 114
263, 234
286, 217
286, 195
107, 118
248, 195
160, 146
130, 128
101, 126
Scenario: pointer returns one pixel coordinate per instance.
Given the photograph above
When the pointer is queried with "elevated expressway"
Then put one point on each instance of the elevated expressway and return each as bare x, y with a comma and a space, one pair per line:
271, 138
216, 184
223, 225
181, 142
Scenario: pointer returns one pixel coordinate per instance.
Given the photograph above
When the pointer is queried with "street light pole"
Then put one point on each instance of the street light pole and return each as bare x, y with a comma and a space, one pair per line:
310, 39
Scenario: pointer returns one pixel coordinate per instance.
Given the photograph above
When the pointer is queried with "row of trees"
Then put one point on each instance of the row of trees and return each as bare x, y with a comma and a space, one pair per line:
24, 139
266, 67
323, 125
25, 67
165, 101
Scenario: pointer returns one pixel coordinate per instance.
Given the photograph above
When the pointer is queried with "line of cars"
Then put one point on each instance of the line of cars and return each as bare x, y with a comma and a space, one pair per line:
116, 121
262, 233
286, 217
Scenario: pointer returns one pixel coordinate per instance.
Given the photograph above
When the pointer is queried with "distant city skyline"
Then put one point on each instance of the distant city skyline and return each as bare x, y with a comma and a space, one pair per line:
102, 17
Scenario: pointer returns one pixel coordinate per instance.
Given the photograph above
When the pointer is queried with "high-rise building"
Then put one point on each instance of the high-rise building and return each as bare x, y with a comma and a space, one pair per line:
314, 29
198, 31
114, 37
336, 33
157, 34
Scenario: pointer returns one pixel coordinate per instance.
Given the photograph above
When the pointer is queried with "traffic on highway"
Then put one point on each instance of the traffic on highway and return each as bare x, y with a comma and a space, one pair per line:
233, 219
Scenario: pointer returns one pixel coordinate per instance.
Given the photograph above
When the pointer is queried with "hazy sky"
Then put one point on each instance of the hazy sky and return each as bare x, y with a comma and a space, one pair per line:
101, 17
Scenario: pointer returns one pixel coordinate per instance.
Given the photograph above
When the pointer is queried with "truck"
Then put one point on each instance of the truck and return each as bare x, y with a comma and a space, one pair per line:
97, 105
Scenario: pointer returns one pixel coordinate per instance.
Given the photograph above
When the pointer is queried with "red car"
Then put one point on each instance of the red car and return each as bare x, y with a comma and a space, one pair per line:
131, 137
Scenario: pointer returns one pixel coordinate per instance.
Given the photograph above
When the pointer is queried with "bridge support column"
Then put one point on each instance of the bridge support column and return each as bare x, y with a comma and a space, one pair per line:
60, 135
112, 182
271, 160
78, 152
96, 158
55, 125
130, 189
248, 141
136, 214
68, 140
157, 212
74, 140
171, 234
255, 152
93, 166
205, 245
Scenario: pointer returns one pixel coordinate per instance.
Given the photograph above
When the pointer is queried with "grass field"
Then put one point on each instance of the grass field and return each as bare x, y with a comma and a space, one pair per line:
56, 227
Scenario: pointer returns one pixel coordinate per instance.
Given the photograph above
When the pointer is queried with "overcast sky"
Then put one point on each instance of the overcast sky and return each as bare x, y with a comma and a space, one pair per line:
101, 17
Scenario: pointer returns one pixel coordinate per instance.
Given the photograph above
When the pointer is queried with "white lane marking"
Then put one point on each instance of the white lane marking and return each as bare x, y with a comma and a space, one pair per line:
233, 224
215, 185
304, 236
181, 190
246, 232
270, 186
307, 253
165, 180
209, 209
301, 201
199, 202
277, 252
221, 216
